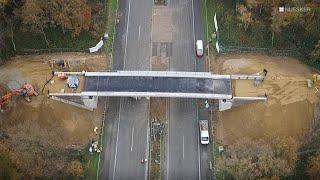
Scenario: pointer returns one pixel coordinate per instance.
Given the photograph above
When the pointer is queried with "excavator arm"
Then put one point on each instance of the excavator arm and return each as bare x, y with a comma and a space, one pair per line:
26, 91
5, 98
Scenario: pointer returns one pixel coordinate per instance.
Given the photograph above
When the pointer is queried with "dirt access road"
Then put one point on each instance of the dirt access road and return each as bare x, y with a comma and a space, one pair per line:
65, 125
289, 110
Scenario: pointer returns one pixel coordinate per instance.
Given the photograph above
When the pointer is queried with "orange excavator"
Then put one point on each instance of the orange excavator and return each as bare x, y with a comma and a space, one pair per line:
26, 91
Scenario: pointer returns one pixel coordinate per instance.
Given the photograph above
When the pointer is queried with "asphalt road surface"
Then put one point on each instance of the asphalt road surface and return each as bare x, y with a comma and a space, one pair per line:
157, 84
182, 150
185, 157
126, 124
202, 113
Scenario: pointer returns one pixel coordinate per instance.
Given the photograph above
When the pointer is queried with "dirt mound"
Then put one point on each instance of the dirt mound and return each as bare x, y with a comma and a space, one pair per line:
61, 124
289, 110
65, 124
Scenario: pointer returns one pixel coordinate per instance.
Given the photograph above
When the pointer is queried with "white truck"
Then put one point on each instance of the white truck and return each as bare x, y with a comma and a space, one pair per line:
204, 131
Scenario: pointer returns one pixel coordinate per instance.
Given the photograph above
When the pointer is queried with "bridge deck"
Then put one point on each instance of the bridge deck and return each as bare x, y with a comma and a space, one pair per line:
157, 84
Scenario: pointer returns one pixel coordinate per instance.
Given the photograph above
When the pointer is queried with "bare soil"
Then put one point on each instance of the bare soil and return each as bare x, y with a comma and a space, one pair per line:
157, 111
161, 37
162, 24
60, 86
158, 108
289, 110
67, 125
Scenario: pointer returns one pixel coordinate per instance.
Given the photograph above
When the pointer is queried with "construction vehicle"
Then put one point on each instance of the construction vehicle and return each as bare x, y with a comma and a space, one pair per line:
26, 92
204, 131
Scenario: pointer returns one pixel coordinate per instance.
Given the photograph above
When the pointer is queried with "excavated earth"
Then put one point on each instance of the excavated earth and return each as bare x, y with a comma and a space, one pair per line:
291, 106
61, 124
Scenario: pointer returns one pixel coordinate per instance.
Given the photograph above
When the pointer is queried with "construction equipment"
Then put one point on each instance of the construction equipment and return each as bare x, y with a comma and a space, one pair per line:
26, 91
73, 82
60, 65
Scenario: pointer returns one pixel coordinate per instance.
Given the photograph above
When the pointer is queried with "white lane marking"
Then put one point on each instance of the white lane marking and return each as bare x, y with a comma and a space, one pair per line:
125, 49
150, 64
115, 156
194, 37
132, 139
199, 167
139, 34
207, 34
168, 136
147, 150
182, 147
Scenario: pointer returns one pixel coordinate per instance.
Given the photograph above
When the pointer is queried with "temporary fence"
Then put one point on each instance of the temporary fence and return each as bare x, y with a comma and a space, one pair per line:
269, 51
51, 50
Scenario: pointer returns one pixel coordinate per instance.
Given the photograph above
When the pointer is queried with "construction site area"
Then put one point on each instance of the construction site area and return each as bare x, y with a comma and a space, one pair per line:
291, 108
40, 119
289, 111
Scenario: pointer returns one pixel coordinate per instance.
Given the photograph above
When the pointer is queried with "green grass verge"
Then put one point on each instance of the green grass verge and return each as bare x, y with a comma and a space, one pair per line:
93, 169
161, 153
92, 166
216, 155
208, 11
111, 9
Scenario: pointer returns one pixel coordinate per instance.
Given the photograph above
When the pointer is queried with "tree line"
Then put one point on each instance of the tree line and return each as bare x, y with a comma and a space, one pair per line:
35, 16
275, 158
263, 22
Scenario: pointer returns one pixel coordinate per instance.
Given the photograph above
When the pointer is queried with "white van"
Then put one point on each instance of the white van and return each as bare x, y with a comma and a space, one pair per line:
204, 131
199, 48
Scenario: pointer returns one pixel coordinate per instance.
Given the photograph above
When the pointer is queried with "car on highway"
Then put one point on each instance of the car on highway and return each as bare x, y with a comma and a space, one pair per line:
204, 131
199, 48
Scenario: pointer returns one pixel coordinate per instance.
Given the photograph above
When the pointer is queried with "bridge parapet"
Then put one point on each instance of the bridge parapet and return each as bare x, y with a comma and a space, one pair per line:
202, 85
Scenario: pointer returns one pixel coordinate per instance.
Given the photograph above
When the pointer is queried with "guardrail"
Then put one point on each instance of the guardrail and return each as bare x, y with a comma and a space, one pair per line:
158, 94
181, 74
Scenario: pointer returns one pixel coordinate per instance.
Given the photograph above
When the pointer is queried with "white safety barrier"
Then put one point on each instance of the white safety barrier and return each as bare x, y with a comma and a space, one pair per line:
217, 46
160, 74
158, 94
215, 22
97, 47
216, 26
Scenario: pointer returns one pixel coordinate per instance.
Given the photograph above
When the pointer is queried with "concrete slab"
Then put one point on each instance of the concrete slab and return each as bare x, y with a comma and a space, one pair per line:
157, 84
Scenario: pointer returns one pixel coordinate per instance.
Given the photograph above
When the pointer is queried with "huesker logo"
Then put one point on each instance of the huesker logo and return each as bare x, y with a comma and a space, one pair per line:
294, 9
281, 9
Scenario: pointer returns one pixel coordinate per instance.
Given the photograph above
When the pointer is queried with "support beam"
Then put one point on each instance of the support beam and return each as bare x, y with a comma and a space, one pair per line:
72, 103
158, 94
264, 98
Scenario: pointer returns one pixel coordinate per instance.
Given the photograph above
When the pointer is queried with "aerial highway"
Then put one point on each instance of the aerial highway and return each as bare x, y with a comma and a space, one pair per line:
126, 124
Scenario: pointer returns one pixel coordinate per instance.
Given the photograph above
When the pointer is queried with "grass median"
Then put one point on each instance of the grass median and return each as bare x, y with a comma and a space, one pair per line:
158, 118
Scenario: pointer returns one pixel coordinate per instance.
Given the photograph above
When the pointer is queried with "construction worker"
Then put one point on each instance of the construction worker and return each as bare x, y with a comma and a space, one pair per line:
315, 78
206, 104
143, 161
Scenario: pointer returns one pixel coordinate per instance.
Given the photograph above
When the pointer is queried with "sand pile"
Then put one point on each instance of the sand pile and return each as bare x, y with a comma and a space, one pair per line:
63, 124
290, 106
58, 123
